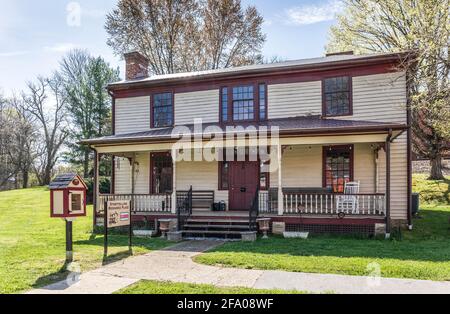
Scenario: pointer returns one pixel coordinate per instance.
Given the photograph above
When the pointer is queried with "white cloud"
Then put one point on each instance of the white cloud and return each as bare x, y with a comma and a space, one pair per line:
62, 47
13, 53
314, 13
268, 22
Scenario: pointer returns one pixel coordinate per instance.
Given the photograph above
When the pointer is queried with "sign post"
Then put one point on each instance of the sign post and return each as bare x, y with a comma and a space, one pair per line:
69, 243
117, 214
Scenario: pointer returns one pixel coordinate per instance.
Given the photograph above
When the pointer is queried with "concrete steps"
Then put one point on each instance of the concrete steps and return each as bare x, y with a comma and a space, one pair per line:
217, 228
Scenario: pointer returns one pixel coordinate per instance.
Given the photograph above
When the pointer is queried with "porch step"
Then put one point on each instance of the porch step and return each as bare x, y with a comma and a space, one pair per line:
224, 232
218, 228
218, 221
212, 226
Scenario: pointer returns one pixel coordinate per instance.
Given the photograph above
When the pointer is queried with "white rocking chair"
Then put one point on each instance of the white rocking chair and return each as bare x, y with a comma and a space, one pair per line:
349, 202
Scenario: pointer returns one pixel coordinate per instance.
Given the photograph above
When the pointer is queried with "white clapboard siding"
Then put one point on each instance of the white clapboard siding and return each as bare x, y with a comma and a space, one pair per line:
122, 176
132, 114
364, 167
143, 173
302, 167
197, 105
201, 176
380, 98
383, 98
296, 99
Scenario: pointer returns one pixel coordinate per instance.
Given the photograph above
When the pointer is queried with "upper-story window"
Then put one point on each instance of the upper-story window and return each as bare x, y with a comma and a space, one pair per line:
243, 103
162, 110
337, 96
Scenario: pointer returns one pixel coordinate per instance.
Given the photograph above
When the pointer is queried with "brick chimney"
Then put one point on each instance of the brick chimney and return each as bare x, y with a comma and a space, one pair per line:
136, 66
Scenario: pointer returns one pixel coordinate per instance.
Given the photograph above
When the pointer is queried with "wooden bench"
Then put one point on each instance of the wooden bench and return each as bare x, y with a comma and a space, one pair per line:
201, 199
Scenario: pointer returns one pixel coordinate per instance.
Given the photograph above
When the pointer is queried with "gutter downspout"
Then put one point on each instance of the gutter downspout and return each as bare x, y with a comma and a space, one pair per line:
409, 151
95, 186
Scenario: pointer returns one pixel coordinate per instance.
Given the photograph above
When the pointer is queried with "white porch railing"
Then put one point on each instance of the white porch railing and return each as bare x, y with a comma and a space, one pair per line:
141, 203
324, 204
329, 204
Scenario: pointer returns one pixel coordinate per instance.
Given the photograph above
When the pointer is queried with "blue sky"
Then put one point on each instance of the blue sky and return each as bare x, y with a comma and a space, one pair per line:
34, 35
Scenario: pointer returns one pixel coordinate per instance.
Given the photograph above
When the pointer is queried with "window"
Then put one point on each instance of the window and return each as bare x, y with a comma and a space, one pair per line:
337, 94
243, 103
224, 104
162, 173
262, 102
162, 110
338, 167
224, 173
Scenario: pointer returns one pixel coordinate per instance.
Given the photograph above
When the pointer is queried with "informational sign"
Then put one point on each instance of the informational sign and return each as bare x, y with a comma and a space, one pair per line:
119, 214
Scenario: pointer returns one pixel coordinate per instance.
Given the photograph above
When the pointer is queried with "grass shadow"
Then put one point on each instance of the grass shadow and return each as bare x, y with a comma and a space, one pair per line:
52, 278
110, 259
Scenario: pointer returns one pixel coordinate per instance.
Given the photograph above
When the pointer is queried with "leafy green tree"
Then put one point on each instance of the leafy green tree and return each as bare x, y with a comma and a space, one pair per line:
419, 26
85, 79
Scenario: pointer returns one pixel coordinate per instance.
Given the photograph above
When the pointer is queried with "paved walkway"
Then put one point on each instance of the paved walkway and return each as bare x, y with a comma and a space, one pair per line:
175, 264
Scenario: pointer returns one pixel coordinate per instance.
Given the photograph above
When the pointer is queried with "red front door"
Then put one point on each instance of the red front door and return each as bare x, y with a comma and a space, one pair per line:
244, 178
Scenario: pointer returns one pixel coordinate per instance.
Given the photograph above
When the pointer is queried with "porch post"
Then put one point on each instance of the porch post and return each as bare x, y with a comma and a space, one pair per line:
388, 185
280, 181
133, 174
133, 181
174, 184
95, 200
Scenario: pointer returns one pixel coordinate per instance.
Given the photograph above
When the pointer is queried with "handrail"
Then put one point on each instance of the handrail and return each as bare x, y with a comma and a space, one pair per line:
184, 208
254, 213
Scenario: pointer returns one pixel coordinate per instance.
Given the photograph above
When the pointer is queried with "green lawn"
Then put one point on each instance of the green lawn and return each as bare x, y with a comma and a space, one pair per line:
421, 254
155, 287
32, 245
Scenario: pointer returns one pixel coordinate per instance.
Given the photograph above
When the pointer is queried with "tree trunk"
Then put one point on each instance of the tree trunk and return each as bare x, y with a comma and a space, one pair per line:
436, 168
25, 179
47, 176
86, 163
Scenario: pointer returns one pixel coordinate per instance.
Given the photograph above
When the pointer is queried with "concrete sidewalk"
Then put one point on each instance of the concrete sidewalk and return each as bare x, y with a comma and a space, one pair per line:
175, 264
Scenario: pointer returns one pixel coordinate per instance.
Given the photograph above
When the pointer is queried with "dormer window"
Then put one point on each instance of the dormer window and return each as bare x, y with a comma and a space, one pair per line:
337, 96
162, 110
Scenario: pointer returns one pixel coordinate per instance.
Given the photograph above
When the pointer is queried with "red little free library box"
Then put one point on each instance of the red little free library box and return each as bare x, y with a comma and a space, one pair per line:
68, 196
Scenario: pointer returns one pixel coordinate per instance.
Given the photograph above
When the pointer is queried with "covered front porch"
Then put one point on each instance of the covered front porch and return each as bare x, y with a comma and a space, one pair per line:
307, 186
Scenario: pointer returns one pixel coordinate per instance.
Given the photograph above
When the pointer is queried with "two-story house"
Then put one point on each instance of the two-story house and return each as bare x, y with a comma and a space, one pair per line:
340, 160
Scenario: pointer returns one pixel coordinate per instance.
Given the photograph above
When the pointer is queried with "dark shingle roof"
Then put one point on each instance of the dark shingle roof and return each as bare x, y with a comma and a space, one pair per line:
295, 126
62, 181
313, 63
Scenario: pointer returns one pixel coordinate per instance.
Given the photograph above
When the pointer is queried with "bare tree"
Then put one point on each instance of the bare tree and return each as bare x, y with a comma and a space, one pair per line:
45, 101
421, 26
24, 138
187, 35
7, 169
